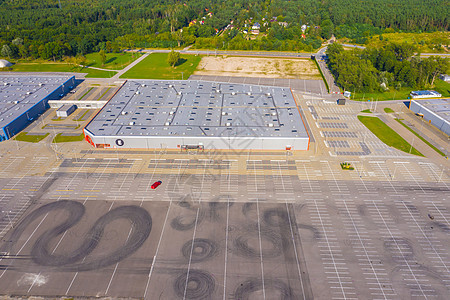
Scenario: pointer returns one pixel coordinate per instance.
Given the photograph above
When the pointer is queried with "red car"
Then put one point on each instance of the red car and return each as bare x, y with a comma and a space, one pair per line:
156, 184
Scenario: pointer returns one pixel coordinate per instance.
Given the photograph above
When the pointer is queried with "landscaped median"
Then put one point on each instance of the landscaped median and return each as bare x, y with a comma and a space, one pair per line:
387, 135
61, 138
31, 138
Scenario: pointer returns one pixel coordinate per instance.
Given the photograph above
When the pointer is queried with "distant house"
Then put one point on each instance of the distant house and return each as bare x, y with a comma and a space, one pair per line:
445, 77
256, 26
303, 27
284, 24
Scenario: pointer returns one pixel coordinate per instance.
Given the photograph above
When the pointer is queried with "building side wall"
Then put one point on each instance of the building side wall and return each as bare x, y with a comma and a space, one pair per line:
31, 114
207, 142
430, 116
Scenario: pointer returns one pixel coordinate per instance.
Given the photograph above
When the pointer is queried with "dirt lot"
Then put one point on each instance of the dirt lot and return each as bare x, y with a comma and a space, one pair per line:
258, 67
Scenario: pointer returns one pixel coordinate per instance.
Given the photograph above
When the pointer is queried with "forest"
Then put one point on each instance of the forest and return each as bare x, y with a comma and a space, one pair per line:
376, 70
52, 29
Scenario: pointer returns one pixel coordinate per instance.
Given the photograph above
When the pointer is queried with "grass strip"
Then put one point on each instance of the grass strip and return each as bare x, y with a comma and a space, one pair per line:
104, 93
31, 138
321, 74
86, 93
388, 110
82, 116
387, 135
421, 138
67, 138
367, 111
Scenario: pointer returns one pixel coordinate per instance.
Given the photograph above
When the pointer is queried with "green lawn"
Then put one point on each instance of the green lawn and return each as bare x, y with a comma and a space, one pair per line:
65, 138
24, 137
57, 67
155, 66
421, 138
402, 94
86, 93
388, 110
442, 87
367, 111
392, 94
114, 61
387, 135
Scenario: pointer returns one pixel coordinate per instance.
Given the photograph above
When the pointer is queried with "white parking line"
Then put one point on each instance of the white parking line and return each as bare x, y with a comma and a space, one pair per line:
190, 256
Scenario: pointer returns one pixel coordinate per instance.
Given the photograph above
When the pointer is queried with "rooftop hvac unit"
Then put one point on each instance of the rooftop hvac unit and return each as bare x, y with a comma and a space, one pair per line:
224, 113
217, 91
179, 93
171, 112
274, 113
5, 83
131, 123
228, 124
143, 85
233, 93
16, 102
137, 92
270, 124
170, 85
124, 113
167, 124
268, 94
29, 93
41, 84
249, 93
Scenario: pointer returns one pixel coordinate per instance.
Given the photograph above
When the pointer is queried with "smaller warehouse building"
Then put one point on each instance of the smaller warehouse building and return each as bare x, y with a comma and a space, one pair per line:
65, 110
23, 98
424, 94
435, 111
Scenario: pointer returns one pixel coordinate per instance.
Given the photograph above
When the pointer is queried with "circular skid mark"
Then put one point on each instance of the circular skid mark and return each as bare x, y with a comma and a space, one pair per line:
440, 226
141, 223
314, 230
247, 207
75, 209
183, 223
400, 248
275, 287
431, 285
203, 249
276, 217
218, 203
200, 285
247, 244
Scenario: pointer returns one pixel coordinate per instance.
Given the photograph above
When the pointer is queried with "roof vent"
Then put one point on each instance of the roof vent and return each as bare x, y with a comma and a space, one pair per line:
171, 112
29, 93
268, 94
227, 124
124, 113
217, 91
131, 123
137, 92
249, 93
270, 125
233, 93
170, 85
143, 85
167, 124
179, 93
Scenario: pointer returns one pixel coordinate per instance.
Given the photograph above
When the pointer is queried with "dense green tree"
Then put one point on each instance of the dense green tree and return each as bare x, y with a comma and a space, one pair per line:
102, 54
173, 58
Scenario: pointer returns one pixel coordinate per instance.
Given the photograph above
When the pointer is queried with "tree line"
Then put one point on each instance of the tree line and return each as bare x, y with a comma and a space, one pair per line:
392, 66
52, 29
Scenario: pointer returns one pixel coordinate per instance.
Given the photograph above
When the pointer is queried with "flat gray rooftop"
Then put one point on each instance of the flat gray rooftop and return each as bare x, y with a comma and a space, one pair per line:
441, 107
199, 108
19, 93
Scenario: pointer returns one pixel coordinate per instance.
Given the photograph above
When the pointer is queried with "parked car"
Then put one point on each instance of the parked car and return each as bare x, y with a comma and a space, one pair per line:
156, 184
